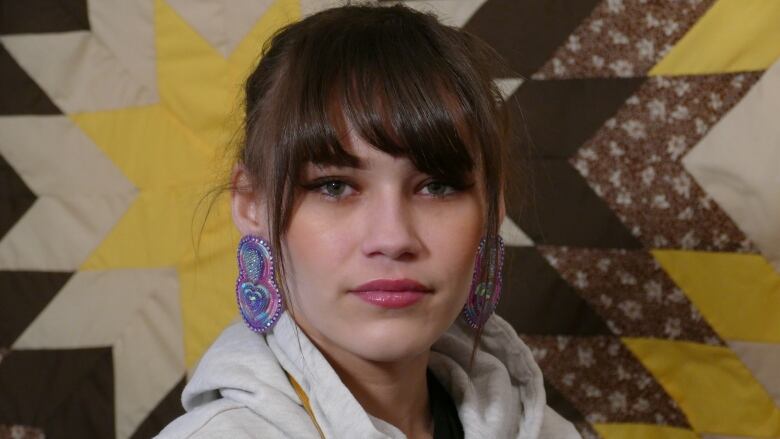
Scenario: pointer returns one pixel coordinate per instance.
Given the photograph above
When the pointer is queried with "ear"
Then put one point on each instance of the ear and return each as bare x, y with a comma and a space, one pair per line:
247, 205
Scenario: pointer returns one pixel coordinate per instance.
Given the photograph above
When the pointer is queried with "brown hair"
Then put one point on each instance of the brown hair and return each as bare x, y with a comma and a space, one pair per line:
407, 84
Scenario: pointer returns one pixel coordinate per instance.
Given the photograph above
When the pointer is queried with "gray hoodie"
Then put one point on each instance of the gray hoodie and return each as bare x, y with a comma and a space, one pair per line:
240, 389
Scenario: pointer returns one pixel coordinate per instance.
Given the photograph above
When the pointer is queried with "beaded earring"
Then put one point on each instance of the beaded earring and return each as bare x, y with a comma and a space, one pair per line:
259, 299
483, 296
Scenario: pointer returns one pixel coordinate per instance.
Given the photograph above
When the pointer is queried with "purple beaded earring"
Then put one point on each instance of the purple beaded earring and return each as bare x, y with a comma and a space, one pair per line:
258, 297
483, 296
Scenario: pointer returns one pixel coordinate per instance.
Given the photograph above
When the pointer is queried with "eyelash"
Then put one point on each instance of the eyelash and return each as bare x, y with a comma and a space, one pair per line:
319, 186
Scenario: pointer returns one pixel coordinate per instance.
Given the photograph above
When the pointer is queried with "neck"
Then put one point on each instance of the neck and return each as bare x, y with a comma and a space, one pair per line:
395, 392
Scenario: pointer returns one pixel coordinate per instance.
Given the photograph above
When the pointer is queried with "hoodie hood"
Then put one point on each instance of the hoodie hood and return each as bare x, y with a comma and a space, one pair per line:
500, 396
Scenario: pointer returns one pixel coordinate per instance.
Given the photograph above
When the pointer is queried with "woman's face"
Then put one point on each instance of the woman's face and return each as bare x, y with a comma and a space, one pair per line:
379, 257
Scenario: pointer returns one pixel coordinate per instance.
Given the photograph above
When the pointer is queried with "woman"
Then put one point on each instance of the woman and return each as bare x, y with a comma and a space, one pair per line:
369, 193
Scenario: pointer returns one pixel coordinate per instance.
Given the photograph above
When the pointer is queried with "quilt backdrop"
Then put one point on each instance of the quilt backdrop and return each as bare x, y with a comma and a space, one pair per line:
643, 229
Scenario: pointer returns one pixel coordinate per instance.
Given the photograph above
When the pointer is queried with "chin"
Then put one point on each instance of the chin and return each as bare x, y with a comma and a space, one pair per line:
394, 340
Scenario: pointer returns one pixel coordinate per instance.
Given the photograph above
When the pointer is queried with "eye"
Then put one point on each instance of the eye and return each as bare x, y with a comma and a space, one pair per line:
332, 188
438, 189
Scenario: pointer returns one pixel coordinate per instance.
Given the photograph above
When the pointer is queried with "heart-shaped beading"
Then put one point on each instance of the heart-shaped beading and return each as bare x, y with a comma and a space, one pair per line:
254, 300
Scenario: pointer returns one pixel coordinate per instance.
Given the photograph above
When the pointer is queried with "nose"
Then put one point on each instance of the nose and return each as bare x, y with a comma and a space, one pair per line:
390, 228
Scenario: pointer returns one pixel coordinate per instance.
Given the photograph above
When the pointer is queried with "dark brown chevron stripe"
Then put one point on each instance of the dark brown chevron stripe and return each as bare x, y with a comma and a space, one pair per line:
15, 198
166, 411
526, 33
21, 95
23, 295
560, 208
534, 292
66, 393
604, 381
561, 115
40, 16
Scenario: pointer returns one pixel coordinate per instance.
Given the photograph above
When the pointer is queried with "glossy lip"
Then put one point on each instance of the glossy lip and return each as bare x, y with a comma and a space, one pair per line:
391, 293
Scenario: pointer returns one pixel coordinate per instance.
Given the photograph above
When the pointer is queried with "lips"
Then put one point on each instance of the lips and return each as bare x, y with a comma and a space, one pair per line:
391, 293
392, 285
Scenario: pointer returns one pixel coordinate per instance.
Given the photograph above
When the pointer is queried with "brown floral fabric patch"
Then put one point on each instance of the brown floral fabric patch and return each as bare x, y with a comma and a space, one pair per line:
604, 380
633, 162
623, 38
632, 293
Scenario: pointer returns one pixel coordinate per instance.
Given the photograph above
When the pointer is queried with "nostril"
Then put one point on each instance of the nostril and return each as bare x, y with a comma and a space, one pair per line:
391, 243
405, 252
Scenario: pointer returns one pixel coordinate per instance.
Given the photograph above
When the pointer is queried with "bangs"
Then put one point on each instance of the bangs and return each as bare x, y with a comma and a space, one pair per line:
394, 87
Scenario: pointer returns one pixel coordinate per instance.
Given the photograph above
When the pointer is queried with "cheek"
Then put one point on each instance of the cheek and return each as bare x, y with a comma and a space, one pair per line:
314, 249
453, 239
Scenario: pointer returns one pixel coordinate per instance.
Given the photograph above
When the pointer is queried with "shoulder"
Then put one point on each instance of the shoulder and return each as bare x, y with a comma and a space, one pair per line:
221, 420
240, 390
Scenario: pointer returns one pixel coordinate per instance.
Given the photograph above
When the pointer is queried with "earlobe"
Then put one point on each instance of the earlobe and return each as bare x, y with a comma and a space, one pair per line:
247, 206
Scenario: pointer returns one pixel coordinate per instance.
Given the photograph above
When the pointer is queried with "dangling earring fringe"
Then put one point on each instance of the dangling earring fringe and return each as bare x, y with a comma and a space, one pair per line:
259, 300
483, 296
